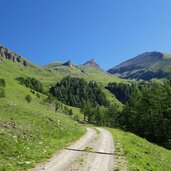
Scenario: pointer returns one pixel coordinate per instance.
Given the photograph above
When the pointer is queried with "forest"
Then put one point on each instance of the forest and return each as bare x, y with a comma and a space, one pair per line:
121, 91
78, 92
147, 111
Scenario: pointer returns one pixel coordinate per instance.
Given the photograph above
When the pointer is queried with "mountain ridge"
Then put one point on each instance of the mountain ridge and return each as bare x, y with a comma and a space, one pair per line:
145, 66
14, 57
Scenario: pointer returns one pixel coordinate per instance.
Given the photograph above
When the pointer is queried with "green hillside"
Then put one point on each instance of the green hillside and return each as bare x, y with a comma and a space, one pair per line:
33, 131
88, 72
134, 153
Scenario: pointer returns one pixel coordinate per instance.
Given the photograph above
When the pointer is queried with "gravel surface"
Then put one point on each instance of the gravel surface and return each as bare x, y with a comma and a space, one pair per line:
93, 152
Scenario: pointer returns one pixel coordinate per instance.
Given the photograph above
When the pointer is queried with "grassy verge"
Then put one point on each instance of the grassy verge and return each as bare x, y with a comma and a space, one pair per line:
140, 155
30, 135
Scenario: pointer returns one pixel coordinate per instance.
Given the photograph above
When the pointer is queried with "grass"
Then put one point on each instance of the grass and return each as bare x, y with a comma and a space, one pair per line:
88, 149
31, 133
139, 154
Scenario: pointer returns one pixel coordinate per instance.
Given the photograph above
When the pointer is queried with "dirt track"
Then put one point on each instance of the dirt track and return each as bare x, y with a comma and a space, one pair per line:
93, 152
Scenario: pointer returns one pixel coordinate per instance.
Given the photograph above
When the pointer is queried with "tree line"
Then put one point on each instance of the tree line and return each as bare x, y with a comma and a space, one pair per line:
148, 113
121, 91
32, 83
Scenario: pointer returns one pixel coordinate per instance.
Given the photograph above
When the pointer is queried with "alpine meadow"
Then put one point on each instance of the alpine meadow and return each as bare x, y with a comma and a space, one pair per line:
104, 104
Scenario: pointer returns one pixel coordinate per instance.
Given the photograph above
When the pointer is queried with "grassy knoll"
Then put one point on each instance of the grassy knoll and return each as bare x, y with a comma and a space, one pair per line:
140, 154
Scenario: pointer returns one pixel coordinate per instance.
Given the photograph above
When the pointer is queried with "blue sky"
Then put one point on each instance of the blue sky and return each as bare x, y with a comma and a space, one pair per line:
109, 31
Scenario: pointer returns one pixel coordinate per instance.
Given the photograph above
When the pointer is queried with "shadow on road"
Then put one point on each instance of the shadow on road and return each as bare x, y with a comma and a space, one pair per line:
97, 152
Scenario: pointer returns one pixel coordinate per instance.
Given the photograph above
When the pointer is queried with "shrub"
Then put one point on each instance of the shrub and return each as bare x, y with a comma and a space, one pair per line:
2, 92
28, 98
2, 82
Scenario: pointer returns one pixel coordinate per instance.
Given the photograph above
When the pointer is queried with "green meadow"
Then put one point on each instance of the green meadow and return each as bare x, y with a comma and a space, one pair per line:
135, 153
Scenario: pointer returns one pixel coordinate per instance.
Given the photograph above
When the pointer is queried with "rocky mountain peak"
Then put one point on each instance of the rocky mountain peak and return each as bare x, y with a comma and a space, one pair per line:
12, 56
68, 63
91, 63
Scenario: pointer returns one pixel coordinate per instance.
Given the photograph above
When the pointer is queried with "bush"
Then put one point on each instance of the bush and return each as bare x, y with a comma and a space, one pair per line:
2, 82
2, 92
28, 98
70, 112
38, 95
57, 106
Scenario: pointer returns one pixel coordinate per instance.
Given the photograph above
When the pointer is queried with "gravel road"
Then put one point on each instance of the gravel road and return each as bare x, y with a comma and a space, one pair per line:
93, 152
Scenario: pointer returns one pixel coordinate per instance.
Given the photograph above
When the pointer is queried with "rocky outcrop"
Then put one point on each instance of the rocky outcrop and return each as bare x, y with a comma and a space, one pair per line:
68, 63
8, 54
91, 63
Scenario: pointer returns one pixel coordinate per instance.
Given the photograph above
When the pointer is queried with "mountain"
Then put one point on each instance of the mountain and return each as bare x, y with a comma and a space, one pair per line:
91, 63
145, 66
5, 53
68, 63
90, 70
53, 72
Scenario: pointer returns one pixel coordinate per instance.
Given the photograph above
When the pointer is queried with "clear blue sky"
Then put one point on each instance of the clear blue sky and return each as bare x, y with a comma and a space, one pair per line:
109, 31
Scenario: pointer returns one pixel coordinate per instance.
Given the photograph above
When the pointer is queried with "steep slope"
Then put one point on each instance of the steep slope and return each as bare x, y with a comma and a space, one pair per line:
145, 66
5, 53
136, 153
33, 131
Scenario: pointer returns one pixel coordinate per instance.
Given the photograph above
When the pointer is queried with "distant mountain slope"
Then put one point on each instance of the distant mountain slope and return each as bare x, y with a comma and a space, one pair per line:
89, 71
53, 72
5, 53
145, 66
